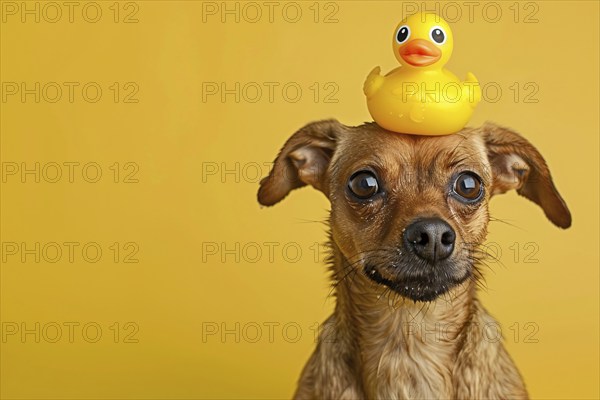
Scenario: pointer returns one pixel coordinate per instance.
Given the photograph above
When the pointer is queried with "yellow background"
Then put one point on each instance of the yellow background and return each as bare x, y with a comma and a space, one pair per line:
173, 136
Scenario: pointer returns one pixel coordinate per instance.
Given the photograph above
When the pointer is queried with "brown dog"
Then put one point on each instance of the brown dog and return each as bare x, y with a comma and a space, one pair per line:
407, 214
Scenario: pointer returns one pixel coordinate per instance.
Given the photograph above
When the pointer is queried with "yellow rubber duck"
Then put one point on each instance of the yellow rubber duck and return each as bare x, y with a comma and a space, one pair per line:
421, 97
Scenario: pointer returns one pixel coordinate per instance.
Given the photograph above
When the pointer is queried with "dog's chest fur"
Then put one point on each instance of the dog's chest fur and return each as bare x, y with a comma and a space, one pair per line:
407, 350
414, 361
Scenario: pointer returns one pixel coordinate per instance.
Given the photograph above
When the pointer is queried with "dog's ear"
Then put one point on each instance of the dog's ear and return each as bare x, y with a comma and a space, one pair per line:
303, 160
516, 164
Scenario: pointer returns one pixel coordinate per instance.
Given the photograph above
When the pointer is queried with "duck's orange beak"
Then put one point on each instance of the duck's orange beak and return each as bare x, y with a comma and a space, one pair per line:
420, 53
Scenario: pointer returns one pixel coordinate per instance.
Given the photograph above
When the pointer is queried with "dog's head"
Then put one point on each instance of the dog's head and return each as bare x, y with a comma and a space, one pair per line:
407, 210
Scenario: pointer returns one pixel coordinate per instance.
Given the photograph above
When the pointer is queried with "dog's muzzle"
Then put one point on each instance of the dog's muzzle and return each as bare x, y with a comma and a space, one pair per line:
425, 268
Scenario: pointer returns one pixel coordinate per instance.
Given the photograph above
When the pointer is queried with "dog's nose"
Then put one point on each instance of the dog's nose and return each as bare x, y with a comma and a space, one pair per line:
431, 239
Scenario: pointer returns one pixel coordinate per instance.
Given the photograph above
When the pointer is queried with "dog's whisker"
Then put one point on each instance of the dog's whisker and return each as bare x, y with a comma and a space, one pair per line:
324, 222
505, 222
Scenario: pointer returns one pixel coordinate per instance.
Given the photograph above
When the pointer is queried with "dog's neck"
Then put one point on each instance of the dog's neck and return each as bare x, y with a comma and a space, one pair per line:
391, 335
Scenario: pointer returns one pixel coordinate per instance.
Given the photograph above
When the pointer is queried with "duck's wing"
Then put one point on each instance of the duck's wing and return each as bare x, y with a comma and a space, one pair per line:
472, 90
373, 82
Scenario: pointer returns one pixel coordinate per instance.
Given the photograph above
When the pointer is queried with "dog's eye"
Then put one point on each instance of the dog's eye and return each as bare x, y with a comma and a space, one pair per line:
363, 184
403, 34
468, 186
438, 35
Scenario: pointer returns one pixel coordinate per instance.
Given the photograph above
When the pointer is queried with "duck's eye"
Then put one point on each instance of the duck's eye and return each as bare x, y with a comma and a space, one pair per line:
403, 34
468, 187
363, 184
438, 35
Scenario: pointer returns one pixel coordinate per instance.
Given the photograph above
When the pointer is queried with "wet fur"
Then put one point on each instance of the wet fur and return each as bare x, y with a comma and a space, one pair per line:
378, 343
